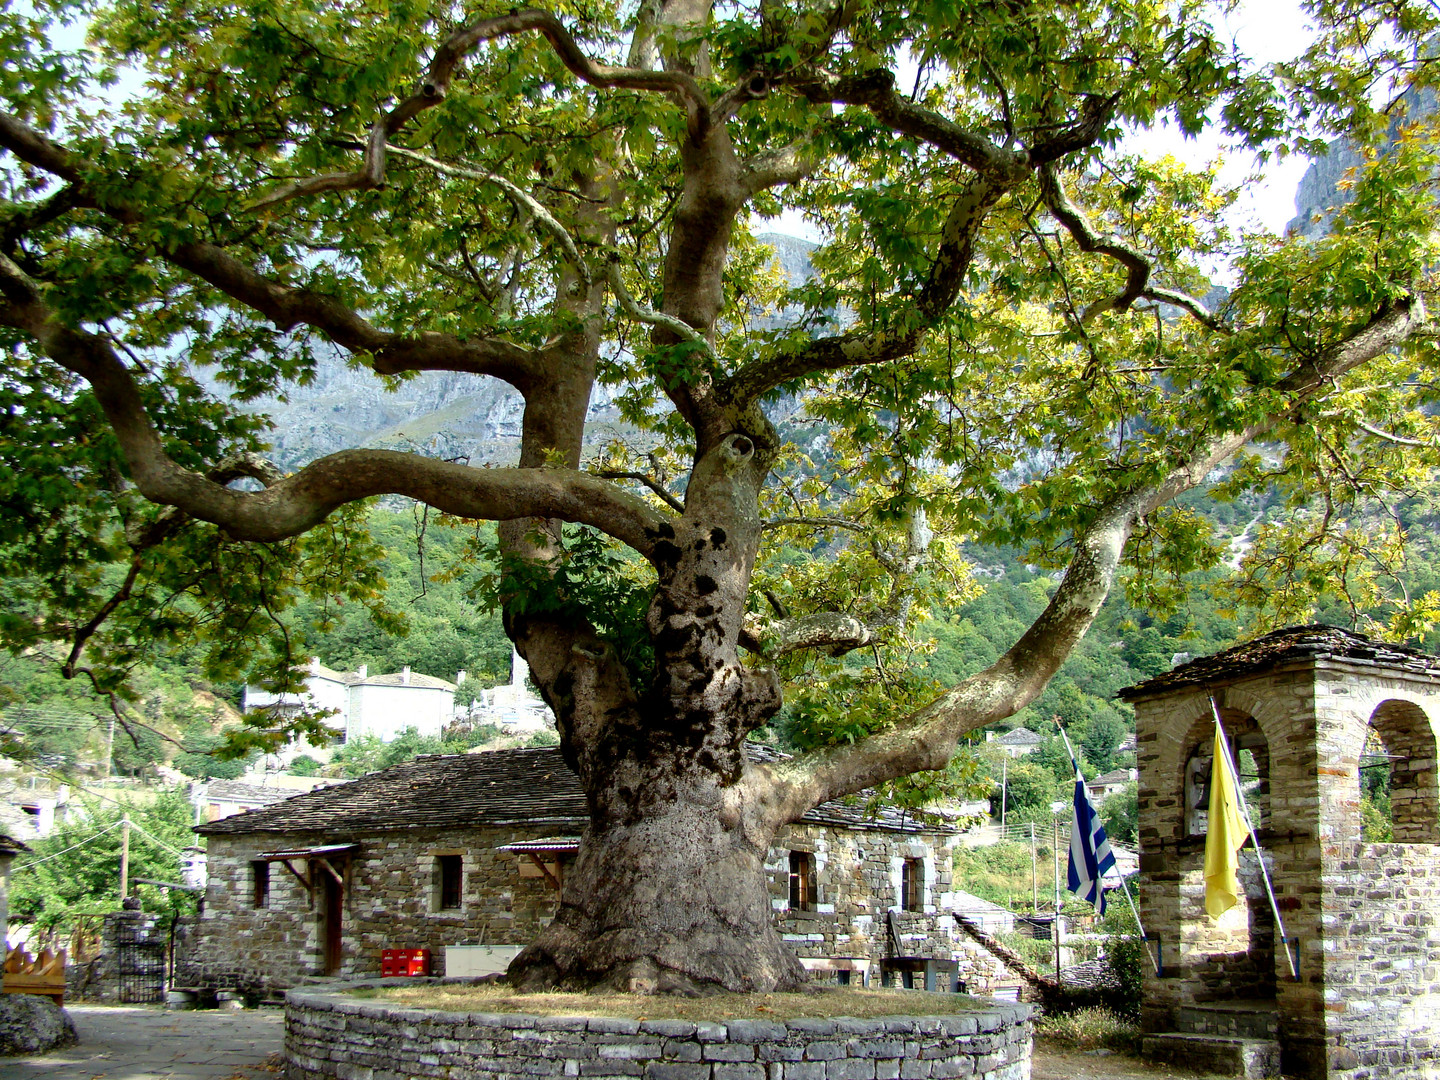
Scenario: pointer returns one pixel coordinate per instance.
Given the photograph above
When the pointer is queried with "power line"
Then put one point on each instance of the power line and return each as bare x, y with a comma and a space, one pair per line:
72, 847
155, 839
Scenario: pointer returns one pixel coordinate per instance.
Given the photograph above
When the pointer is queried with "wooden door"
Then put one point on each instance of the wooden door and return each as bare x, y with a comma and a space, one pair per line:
334, 925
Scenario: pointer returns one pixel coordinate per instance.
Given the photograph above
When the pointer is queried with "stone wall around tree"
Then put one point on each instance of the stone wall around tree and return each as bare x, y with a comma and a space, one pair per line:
332, 1036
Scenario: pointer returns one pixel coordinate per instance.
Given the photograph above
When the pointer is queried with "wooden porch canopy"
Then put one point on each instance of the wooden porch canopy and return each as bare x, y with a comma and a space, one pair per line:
326, 856
549, 845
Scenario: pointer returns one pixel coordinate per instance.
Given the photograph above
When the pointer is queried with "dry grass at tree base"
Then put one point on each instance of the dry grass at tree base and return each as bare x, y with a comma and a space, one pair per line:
820, 1002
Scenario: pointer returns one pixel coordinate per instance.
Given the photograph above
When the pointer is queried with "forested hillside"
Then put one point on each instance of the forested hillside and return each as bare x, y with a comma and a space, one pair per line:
435, 614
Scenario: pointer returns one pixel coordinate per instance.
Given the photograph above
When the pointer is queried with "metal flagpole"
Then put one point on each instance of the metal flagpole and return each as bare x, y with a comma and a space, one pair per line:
1259, 855
1124, 886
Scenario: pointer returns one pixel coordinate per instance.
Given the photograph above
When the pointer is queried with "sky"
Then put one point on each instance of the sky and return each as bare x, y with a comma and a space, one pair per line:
1266, 31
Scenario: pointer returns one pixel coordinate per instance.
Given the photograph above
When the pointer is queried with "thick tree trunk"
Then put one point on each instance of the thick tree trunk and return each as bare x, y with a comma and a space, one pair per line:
668, 894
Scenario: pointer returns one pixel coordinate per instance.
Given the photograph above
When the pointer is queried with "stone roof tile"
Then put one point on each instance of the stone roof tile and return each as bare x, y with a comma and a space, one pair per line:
500, 787
1313, 642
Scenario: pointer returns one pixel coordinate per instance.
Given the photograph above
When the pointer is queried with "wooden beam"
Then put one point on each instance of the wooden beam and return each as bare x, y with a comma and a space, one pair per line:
306, 882
545, 869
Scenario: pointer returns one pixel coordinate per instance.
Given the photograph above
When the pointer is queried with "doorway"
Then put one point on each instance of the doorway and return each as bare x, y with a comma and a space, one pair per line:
333, 929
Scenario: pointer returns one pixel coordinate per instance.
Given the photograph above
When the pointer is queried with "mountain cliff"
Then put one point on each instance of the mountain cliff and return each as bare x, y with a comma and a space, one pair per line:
438, 414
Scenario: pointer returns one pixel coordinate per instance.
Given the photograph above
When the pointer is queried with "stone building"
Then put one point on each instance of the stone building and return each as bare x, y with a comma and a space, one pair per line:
470, 850
1360, 918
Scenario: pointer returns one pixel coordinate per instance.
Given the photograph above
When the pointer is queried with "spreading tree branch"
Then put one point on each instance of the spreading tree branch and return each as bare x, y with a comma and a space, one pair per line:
1137, 265
524, 201
434, 86
927, 739
284, 305
296, 503
649, 481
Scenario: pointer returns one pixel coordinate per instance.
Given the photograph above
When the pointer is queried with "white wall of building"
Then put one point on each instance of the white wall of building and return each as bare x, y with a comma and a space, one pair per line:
386, 711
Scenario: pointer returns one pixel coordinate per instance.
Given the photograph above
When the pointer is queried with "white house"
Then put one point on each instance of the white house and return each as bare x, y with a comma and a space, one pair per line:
1110, 783
512, 707
363, 704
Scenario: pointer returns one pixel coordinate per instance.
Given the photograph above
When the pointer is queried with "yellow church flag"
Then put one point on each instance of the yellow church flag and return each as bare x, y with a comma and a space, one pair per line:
1226, 832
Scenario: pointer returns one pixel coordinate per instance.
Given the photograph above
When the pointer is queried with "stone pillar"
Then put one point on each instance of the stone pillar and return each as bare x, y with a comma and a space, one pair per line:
9, 848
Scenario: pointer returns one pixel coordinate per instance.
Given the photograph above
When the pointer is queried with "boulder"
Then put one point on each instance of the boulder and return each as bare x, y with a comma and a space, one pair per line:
30, 1024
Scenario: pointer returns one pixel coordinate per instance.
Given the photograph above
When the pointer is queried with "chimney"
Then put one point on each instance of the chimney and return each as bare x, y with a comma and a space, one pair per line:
405, 675
363, 671
459, 676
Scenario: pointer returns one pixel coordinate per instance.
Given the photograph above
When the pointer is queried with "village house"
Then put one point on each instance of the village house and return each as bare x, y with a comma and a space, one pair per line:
1019, 742
32, 807
363, 704
464, 854
513, 707
1110, 783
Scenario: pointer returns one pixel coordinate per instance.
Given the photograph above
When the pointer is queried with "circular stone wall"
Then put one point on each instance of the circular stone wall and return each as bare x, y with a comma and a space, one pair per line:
335, 1036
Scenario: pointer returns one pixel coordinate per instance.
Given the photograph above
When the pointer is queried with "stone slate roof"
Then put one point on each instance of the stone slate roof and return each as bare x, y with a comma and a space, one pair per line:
1114, 776
1020, 736
503, 787
1314, 642
235, 791
394, 678
10, 846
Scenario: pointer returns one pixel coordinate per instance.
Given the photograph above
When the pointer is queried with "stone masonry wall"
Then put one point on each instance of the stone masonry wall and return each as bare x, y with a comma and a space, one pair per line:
1382, 957
336, 1037
859, 877
391, 902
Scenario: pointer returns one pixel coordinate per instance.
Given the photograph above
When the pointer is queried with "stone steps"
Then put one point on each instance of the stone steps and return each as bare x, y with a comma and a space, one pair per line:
1234, 1019
1219, 1054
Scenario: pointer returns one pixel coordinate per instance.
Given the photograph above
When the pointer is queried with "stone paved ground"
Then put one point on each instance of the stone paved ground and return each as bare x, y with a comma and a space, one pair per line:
138, 1042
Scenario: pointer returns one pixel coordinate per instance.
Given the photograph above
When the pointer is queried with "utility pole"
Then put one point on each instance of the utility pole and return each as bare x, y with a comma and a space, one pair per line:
1004, 774
1034, 873
110, 750
124, 857
1056, 927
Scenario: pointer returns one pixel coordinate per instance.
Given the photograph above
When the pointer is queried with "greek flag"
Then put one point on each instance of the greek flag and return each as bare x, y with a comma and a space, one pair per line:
1090, 855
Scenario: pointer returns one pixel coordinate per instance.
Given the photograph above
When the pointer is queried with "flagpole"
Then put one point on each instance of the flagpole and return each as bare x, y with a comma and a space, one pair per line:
1255, 842
1124, 886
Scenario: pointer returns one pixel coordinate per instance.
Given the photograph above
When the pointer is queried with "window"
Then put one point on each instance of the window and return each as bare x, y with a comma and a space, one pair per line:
449, 872
259, 884
802, 881
912, 885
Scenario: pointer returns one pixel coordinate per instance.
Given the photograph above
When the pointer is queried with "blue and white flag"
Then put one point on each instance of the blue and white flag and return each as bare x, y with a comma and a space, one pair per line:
1090, 855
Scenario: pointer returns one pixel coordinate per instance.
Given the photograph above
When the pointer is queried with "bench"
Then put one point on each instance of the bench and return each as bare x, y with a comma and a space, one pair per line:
43, 974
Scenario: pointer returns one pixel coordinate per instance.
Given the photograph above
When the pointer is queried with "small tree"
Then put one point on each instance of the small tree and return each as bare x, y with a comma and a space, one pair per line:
76, 869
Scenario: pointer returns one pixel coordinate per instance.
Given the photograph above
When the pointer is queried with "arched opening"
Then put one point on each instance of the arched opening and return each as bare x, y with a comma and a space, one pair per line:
1398, 791
1231, 958
1251, 754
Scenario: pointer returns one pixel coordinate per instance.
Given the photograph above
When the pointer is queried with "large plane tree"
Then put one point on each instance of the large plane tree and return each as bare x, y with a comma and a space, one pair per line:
1009, 337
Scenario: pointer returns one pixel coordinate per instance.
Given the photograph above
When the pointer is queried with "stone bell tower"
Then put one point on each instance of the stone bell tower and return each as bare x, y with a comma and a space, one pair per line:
1303, 709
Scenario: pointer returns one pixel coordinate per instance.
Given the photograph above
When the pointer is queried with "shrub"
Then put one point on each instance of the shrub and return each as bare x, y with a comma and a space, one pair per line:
1126, 958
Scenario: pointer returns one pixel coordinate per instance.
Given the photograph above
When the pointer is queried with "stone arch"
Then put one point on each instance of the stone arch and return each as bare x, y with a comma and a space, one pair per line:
1408, 737
1231, 958
1250, 749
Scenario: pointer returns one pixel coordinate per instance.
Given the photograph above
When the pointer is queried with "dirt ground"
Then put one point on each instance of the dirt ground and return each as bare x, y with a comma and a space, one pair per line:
1051, 1062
